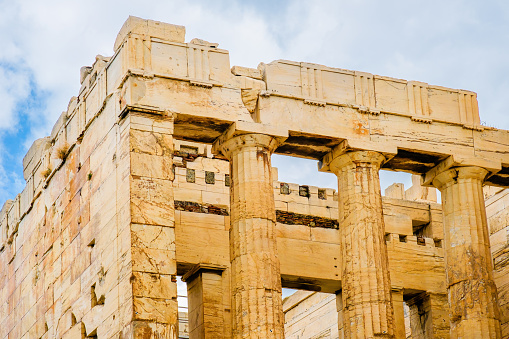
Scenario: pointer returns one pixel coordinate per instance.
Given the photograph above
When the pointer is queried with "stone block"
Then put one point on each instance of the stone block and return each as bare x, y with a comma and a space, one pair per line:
395, 191
326, 235
203, 220
92, 320
293, 231
156, 29
152, 201
190, 175
248, 72
151, 285
399, 224
152, 166
155, 237
210, 178
163, 311
152, 143
215, 198
153, 261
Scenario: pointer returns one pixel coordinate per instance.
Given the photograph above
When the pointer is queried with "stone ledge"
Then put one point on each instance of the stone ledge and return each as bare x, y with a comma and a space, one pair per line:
290, 218
195, 207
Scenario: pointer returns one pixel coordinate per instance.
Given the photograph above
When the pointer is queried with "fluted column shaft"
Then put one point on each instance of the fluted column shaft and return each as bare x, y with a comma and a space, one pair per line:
469, 268
367, 303
256, 278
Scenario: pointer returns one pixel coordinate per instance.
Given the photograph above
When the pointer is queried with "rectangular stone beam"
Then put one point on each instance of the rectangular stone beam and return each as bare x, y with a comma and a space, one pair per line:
314, 264
208, 291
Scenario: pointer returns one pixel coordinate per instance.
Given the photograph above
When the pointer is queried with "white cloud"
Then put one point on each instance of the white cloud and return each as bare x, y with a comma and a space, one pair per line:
14, 88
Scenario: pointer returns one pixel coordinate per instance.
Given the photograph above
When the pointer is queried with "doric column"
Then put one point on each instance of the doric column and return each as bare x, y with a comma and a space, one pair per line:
255, 274
469, 269
367, 304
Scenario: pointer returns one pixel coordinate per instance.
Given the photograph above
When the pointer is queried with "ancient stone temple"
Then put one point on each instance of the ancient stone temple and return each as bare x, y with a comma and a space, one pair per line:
160, 169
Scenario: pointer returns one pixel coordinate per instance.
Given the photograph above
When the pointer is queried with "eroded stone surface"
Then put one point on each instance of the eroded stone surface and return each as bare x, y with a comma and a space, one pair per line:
256, 279
109, 216
367, 303
469, 269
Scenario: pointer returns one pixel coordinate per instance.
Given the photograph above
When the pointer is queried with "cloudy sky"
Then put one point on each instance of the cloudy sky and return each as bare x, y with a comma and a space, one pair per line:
43, 44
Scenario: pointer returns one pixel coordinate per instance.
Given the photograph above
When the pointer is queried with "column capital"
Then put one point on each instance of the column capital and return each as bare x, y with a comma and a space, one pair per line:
246, 134
397, 289
458, 161
199, 268
354, 159
362, 153
451, 175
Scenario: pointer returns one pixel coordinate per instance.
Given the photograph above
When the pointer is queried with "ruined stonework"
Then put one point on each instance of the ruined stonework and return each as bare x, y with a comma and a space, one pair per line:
160, 168
313, 315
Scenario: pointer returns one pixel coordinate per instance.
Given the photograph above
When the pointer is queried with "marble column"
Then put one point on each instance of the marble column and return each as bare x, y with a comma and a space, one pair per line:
469, 268
255, 273
367, 304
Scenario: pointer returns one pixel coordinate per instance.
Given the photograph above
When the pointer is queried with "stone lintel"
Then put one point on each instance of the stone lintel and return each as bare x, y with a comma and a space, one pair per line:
388, 151
492, 166
198, 268
143, 109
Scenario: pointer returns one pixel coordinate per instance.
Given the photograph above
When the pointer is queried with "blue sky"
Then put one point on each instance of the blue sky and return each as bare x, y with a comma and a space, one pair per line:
458, 44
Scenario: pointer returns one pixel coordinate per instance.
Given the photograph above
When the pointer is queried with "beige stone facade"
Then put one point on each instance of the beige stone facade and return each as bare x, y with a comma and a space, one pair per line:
313, 314
160, 168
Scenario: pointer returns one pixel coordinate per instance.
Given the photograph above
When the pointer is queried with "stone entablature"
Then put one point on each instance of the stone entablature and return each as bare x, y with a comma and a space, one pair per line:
370, 94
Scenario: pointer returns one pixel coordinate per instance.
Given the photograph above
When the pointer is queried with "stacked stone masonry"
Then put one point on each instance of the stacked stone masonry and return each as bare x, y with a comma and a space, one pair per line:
160, 167
313, 315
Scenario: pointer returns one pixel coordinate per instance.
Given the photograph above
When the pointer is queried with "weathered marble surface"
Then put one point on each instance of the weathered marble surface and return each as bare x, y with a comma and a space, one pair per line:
471, 289
95, 240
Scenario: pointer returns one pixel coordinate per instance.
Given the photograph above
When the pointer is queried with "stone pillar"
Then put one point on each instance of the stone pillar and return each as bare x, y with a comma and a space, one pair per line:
428, 316
469, 269
255, 274
399, 313
420, 319
146, 227
339, 308
208, 305
367, 304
